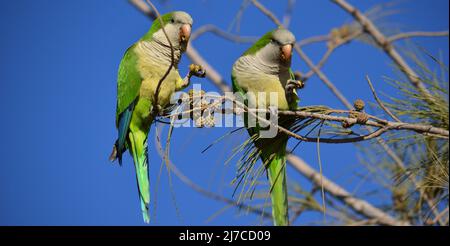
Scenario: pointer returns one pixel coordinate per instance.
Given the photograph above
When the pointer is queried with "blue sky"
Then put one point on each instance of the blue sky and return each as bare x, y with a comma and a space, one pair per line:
57, 93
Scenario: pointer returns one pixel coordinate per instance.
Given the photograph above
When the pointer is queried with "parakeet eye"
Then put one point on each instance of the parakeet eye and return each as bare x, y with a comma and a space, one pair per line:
172, 20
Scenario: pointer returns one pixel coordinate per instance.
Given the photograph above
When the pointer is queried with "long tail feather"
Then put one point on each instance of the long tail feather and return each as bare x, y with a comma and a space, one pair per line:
139, 151
276, 169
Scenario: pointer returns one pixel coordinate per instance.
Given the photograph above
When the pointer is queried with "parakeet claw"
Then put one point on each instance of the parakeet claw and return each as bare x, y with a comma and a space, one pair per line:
290, 87
294, 84
158, 109
197, 71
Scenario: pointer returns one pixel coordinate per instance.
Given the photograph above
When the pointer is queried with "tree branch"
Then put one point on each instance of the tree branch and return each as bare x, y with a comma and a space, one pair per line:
227, 36
405, 35
267, 12
360, 206
370, 120
314, 39
288, 13
380, 103
386, 45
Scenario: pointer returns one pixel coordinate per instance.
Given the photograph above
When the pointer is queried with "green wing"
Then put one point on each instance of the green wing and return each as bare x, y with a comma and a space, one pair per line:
261, 43
128, 85
128, 82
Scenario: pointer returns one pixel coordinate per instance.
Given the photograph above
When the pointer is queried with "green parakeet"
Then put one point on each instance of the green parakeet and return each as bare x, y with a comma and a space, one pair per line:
142, 67
265, 67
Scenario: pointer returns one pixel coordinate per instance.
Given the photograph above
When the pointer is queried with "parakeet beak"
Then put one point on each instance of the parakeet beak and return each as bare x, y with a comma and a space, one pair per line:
286, 52
185, 32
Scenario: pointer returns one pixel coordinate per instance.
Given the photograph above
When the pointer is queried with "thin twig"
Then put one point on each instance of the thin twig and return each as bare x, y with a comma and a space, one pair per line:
327, 54
143, 7
212, 73
314, 39
441, 215
172, 57
406, 35
223, 34
322, 38
380, 103
267, 12
288, 13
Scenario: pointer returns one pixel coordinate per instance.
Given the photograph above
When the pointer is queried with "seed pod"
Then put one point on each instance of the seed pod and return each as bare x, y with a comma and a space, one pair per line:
359, 105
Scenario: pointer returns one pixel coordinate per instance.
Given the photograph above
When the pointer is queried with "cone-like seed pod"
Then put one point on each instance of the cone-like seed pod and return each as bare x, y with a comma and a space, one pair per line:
359, 105
195, 68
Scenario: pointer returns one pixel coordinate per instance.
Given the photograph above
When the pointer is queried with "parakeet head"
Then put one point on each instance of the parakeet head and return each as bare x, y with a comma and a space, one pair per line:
177, 24
274, 47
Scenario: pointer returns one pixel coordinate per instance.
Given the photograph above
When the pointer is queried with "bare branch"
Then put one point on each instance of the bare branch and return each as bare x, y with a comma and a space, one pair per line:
323, 77
211, 73
226, 35
314, 39
288, 13
405, 35
387, 46
143, 7
389, 125
380, 103
351, 37
382, 124
267, 12
360, 206
330, 50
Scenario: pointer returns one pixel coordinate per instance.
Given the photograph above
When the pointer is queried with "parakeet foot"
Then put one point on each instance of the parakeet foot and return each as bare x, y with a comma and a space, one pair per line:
157, 109
290, 88
294, 84
197, 71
